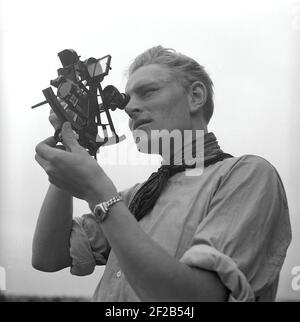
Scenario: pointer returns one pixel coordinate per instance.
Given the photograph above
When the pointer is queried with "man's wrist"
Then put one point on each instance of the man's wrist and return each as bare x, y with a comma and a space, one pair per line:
101, 210
97, 196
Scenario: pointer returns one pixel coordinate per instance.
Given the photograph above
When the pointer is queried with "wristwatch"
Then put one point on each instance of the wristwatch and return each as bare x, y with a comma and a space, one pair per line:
101, 210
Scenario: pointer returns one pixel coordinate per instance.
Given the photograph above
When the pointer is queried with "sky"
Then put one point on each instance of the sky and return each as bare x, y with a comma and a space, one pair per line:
250, 49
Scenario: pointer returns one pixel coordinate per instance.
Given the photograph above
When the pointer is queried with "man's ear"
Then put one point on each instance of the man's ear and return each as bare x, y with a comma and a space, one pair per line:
198, 96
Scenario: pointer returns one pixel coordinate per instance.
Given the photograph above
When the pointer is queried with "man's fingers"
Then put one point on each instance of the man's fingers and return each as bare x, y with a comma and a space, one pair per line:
45, 148
70, 138
60, 147
50, 141
42, 162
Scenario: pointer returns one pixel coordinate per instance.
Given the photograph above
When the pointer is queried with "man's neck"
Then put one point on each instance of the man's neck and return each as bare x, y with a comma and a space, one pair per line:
190, 146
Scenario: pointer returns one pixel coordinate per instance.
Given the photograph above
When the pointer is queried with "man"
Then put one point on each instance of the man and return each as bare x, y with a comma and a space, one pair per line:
218, 236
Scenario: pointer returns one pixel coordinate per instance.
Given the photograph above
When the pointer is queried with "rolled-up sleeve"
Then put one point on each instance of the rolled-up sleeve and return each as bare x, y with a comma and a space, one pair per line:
88, 244
209, 258
246, 232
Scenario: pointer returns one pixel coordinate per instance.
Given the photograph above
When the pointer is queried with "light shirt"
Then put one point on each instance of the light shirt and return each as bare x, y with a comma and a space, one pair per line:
232, 219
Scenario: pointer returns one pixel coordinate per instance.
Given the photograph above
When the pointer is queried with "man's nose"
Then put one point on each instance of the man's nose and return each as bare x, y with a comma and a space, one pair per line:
132, 108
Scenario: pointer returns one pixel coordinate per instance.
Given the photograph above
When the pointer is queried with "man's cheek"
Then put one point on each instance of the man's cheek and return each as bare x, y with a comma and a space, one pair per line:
130, 124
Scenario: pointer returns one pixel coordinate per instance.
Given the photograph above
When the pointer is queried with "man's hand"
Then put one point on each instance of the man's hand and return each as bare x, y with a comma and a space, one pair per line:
54, 120
74, 170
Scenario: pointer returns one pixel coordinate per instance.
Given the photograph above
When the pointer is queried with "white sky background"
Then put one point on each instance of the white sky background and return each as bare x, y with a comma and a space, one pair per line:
249, 48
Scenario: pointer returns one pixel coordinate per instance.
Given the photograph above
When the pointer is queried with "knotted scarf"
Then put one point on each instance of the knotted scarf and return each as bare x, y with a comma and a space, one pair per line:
149, 192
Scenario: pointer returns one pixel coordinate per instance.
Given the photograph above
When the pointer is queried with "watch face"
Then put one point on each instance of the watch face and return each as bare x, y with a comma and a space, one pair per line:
101, 210
99, 213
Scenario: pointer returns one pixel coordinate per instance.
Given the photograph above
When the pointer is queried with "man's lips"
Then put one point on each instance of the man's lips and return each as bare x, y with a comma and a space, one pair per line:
138, 123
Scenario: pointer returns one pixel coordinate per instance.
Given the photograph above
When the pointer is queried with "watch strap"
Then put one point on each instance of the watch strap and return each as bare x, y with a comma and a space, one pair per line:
101, 210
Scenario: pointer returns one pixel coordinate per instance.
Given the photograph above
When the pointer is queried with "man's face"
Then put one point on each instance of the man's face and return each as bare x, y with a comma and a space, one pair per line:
157, 101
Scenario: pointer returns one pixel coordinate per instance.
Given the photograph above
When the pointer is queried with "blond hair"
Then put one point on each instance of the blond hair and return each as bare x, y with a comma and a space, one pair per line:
185, 69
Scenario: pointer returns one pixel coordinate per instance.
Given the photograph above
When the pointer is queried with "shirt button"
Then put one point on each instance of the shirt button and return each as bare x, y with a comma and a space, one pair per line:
119, 273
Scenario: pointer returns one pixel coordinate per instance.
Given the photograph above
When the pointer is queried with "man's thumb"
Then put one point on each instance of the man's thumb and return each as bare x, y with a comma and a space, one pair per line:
70, 138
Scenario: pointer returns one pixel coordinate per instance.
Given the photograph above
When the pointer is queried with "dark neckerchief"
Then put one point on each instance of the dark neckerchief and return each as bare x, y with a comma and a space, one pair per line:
149, 192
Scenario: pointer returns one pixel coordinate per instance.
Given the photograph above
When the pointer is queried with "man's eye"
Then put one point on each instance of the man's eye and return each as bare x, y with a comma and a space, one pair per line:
149, 91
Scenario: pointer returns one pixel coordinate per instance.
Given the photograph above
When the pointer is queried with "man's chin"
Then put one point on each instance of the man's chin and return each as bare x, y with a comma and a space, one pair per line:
155, 142
144, 146
142, 141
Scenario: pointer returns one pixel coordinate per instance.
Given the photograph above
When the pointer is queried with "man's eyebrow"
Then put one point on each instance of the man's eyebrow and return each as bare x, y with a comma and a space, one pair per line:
142, 86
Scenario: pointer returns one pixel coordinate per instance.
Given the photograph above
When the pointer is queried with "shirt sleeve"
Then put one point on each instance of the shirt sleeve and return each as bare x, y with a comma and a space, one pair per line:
88, 245
246, 232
